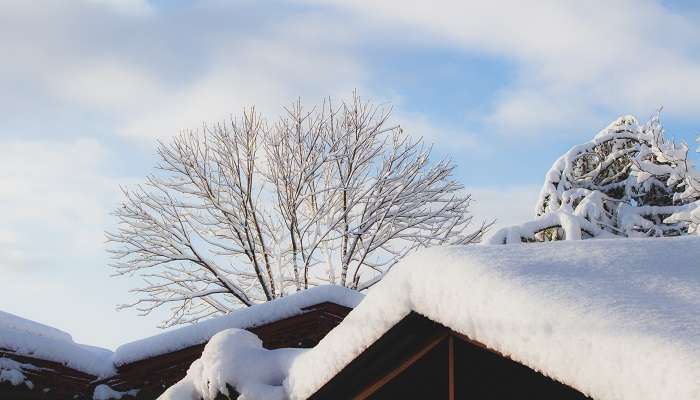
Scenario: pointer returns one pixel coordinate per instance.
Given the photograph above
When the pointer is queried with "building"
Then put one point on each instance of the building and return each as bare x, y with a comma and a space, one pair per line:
41, 362
601, 319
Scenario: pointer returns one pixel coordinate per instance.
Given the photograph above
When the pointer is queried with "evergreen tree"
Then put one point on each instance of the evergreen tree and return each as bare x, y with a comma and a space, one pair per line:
629, 181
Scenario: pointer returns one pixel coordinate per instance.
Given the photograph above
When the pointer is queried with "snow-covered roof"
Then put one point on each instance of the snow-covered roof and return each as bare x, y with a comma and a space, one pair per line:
33, 339
235, 358
615, 319
244, 318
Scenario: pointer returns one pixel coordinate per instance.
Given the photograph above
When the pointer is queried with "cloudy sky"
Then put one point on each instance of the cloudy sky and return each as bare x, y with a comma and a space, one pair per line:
502, 87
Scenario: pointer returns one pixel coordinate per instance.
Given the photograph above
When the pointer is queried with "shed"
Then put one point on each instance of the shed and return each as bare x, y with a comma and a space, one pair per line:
41, 362
605, 319
152, 375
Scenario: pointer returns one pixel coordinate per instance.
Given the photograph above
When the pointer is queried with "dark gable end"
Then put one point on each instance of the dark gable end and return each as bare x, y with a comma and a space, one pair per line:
421, 359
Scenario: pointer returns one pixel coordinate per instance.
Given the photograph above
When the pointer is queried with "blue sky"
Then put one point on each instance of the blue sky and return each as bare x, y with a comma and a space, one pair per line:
503, 88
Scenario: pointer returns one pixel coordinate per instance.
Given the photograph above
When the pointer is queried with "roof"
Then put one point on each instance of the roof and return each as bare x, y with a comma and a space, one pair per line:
29, 338
419, 358
615, 319
25, 337
153, 375
244, 318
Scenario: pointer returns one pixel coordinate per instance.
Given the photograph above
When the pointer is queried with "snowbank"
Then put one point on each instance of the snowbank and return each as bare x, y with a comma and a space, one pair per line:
244, 318
616, 319
235, 358
33, 339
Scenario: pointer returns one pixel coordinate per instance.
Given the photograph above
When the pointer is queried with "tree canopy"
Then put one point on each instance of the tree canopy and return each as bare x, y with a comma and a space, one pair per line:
629, 181
248, 211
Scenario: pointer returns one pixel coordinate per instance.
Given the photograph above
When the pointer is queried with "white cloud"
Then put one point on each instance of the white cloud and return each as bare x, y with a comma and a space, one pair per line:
432, 133
267, 74
130, 7
524, 111
7, 237
110, 85
508, 205
149, 78
572, 57
575, 61
56, 196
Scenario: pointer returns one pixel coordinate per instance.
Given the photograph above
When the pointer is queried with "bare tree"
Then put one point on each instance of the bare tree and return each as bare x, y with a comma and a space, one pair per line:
247, 211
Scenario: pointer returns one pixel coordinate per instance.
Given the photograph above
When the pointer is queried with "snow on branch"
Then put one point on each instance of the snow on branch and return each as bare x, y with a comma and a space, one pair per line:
248, 211
629, 181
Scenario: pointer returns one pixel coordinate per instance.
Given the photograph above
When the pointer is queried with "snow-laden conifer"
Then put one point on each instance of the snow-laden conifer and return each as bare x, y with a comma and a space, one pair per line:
629, 181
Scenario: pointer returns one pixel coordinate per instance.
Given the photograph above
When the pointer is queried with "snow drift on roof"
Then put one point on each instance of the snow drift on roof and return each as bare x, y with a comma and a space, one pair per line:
615, 319
33, 339
15, 322
36, 340
235, 358
244, 318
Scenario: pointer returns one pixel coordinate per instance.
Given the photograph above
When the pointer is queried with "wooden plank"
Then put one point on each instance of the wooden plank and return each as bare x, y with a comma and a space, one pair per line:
371, 389
477, 343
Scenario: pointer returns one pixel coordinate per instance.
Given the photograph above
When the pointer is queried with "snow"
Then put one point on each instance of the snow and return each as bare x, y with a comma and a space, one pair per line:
104, 392
12, 321
569, 220
616, 319
625, 182
689, 213
13, 372
25, 337
235, 358
33, 339
244, 318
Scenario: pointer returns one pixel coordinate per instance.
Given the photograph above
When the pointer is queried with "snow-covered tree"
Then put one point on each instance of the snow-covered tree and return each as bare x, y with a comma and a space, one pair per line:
249, 211
629, 181
690, 214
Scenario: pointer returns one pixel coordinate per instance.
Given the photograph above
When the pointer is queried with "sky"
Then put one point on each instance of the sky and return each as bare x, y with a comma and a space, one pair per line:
503, 88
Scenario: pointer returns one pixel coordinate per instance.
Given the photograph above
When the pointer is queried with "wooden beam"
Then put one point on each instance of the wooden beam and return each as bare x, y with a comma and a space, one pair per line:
478, 344
371, 389
451, 366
